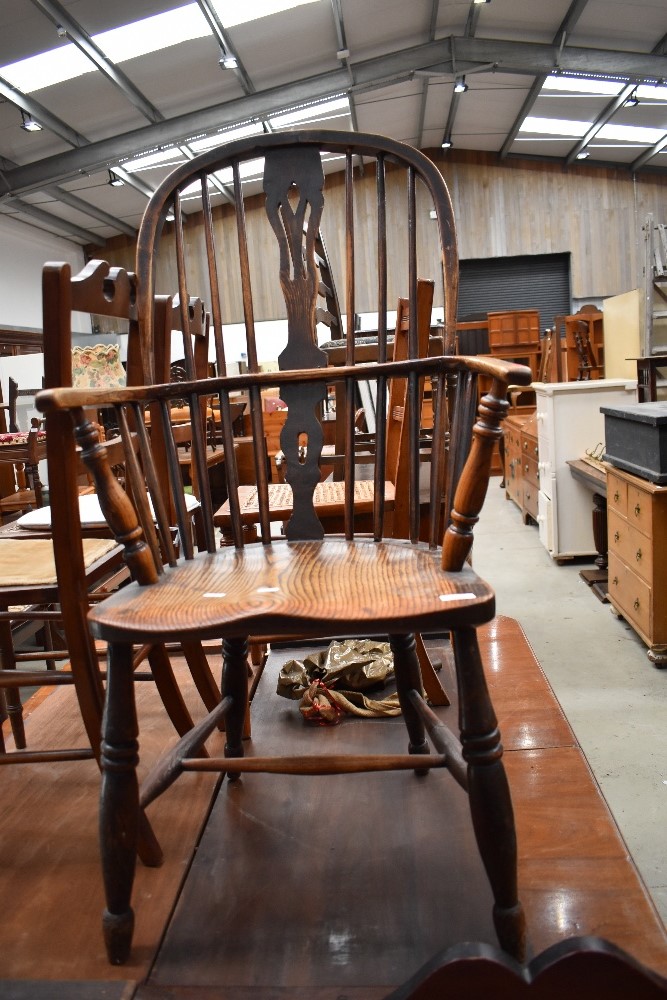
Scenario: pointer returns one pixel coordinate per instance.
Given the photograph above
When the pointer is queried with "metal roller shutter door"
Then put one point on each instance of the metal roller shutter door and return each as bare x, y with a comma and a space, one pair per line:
498, 284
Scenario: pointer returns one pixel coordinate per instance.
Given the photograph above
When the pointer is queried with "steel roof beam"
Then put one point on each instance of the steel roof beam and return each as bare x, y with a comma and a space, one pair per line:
511, 57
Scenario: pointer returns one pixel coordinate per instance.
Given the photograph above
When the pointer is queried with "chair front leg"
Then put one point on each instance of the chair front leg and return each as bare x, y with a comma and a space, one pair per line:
488, 790
235, 685
119, 802
409, 678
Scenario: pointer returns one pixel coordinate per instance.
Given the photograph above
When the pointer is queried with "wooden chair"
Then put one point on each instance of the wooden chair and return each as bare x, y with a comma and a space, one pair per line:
577, 968
24, 450
307, 584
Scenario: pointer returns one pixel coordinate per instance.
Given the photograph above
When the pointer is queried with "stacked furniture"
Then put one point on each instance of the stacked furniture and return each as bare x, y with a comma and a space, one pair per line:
569, 424
636, 453
522, 475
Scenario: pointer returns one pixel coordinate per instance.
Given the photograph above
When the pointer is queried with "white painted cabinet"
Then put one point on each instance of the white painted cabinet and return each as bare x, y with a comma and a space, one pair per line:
569, 423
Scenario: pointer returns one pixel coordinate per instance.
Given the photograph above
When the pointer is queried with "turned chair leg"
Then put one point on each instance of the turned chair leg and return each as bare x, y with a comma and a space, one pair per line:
119, 802
235, 685
12, 694
409, 678
488, 791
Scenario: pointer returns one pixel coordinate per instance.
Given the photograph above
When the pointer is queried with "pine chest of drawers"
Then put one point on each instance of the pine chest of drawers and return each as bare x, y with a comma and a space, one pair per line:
637, 534
522, 483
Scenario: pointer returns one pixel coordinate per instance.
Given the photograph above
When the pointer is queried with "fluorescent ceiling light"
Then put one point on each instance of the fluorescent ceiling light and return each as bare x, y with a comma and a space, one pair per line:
150, 34
583, 85
310, 112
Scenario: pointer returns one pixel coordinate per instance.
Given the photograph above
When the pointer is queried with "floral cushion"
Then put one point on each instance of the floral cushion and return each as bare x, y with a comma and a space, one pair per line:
19, 437
97, 367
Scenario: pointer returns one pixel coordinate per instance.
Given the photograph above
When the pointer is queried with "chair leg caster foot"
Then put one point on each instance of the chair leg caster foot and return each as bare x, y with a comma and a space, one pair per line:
118, 929
510, 924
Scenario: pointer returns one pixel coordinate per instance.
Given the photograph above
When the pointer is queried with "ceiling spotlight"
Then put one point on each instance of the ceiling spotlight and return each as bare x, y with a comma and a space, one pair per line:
29, 124
115, 180
446, 143
460, 86
227, 61
583, 155
632, 100
481, 1
170, 217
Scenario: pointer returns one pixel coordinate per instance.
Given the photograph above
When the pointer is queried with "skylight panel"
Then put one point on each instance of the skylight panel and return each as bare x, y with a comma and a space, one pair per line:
47, 68
631, 133
555, 127
219, 138
160, 158
312, 112
645, 93
583, 85
231, 12
151, 34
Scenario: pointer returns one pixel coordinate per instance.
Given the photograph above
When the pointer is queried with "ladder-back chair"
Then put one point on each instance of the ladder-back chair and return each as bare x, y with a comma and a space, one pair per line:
307, 584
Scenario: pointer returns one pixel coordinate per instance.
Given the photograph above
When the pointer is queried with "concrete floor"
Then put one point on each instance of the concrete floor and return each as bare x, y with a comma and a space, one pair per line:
612, 695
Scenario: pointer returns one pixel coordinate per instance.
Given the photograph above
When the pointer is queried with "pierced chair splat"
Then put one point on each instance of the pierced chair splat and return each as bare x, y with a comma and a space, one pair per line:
307, 583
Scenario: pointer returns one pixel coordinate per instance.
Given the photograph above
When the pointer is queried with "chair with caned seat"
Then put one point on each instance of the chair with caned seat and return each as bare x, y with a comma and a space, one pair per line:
307, 583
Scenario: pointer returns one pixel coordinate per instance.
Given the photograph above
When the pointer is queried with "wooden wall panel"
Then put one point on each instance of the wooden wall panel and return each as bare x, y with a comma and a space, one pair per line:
502, 208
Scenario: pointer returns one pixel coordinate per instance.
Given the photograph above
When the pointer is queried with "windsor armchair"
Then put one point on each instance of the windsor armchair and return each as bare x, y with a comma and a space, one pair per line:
307, 583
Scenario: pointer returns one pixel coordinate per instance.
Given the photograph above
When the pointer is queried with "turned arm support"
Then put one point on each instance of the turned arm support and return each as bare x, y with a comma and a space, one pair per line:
474, 480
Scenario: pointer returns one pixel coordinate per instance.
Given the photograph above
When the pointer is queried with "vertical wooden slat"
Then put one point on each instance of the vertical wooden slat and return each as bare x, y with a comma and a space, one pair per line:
380, 473
175, 478
414, 416
135, 480
153, 482
231, 469
256, 417
214, 302
201, 469
184, 298
350, 385
437, 462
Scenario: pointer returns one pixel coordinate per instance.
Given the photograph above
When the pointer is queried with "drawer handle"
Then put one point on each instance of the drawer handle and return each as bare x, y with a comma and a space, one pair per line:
615, 581
638, 555
636, 604
638, 510
616, 536
617, 496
